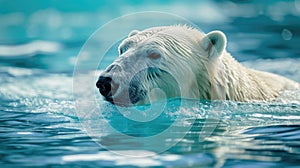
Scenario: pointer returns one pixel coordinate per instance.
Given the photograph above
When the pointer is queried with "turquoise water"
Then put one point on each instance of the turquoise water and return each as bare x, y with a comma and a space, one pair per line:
40, 126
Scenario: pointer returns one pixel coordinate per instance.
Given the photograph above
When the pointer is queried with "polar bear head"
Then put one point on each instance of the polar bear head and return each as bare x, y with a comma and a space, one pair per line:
162, 62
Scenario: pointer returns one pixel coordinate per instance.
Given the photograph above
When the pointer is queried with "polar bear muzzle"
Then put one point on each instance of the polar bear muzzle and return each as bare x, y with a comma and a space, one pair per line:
105, 84
128, 93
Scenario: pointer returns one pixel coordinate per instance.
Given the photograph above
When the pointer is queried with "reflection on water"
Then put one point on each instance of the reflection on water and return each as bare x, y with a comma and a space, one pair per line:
39, 125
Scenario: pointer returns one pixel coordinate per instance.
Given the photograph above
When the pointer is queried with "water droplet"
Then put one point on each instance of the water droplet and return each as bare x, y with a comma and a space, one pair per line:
286, 34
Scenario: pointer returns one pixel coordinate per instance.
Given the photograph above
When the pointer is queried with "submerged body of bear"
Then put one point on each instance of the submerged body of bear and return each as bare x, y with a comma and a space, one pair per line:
179, 61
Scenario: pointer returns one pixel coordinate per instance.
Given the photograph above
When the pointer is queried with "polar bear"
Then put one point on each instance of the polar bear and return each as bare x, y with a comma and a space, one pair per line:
181, 61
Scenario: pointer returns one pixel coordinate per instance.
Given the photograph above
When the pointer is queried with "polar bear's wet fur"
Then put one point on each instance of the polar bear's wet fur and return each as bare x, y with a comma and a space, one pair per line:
180, 61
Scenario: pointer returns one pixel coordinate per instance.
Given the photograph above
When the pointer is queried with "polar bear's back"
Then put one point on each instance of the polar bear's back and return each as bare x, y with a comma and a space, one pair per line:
278, 83
245, 84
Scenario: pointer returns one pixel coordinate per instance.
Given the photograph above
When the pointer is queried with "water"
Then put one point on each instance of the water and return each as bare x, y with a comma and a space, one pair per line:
40, 126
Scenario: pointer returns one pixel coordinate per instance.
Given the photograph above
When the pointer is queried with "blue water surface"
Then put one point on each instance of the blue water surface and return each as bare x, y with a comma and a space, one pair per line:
39, 125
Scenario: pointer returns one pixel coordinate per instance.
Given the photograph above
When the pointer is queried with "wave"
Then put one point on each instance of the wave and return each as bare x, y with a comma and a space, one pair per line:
29, 49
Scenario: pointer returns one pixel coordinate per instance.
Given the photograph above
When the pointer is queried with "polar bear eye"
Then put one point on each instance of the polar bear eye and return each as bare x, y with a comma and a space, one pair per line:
154, 55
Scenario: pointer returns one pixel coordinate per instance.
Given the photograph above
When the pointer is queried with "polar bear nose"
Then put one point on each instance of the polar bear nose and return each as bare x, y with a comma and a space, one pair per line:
107, 87
104, 85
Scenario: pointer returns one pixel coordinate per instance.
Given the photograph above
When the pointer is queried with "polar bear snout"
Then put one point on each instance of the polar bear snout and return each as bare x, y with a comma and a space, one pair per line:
104, 85
113, 68
107, 87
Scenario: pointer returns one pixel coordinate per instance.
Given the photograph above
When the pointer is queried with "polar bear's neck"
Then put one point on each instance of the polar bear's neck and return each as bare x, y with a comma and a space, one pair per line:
232, 81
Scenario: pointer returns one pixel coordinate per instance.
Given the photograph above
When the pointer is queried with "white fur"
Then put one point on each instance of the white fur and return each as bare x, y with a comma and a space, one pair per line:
198, 62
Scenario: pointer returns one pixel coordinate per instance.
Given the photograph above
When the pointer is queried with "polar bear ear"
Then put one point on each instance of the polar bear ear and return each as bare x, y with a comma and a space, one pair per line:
214, 44
133, 32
